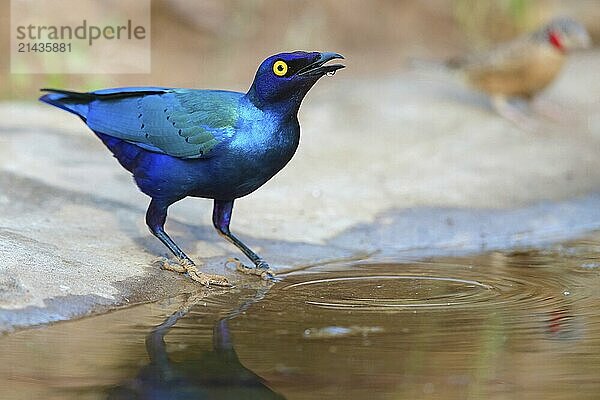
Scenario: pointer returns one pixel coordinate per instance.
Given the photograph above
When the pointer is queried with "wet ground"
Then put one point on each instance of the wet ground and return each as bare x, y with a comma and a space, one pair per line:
521, 324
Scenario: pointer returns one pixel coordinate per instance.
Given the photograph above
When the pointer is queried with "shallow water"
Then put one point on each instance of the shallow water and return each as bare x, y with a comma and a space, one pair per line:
495, 326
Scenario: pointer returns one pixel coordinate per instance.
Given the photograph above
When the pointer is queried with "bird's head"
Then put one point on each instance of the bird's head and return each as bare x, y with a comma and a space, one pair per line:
285, 78
565, 34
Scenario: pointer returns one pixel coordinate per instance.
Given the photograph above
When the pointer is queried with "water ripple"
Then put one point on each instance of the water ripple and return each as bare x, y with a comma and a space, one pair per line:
431, 286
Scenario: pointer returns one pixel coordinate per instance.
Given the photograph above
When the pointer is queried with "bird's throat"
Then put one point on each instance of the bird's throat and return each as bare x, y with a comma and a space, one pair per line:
285, 106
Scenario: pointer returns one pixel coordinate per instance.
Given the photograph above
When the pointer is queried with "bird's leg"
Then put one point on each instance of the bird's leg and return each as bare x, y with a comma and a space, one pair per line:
156, 215
221, 219
513, 113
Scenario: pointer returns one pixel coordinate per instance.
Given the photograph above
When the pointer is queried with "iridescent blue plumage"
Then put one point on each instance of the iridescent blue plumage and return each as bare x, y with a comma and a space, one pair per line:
203, 143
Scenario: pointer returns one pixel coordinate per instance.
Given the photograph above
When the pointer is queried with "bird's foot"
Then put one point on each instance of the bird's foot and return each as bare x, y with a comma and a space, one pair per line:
519, 116
187, 266
261, 269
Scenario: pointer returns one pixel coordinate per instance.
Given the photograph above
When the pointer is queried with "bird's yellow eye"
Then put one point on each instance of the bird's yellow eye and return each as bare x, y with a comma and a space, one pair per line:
280, 68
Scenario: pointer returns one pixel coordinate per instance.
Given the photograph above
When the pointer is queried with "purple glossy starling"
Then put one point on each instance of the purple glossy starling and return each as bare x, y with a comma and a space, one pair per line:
214, 144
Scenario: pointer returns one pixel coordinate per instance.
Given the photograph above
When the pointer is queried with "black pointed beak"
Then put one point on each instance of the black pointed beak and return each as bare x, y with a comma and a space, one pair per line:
318, 68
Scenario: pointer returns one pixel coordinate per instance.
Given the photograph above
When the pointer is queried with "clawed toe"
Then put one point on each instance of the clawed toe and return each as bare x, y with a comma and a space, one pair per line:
188, 267
169, 265
261, 269
208, 279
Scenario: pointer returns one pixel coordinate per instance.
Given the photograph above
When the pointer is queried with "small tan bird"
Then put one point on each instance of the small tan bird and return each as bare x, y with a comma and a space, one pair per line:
523, 67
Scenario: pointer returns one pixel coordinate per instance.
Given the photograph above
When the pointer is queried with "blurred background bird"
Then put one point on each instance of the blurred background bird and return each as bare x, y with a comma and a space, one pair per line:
214, 144
521, 68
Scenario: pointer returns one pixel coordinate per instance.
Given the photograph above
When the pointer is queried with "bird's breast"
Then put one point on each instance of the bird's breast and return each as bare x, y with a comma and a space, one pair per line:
266, 145
523, 74
259, 149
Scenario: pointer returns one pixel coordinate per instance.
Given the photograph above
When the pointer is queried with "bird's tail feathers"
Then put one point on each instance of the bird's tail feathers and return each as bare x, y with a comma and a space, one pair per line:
444, 70
73, 102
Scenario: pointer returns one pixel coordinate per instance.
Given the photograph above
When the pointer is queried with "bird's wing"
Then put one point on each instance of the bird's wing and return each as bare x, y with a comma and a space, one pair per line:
511, 56
183, 123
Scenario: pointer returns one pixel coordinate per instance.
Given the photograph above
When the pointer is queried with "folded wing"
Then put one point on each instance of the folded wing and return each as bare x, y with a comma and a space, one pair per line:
183, 123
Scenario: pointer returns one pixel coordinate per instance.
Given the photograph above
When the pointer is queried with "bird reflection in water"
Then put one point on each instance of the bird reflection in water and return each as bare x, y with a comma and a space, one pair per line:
215, 374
